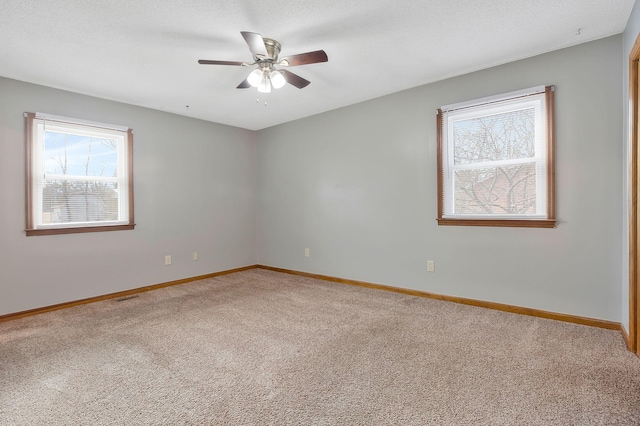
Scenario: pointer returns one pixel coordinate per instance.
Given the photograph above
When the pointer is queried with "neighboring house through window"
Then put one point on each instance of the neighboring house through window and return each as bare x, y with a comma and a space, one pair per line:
79, 176
495, 161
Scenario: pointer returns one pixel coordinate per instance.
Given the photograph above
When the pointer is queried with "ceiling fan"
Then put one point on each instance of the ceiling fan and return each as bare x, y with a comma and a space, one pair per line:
265, 54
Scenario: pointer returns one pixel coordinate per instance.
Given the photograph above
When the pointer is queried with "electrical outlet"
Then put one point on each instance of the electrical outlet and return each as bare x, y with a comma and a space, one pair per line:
167, 259
195, 255
431, 266
306, 252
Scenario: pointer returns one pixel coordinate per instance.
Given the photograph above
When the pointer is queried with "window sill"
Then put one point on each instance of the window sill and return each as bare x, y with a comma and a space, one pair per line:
512, 223
79, 230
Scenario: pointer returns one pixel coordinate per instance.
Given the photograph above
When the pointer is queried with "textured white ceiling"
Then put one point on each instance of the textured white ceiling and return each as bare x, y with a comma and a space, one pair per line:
145, 52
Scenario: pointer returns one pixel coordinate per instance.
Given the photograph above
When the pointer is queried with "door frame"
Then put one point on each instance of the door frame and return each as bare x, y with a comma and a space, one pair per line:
634, 188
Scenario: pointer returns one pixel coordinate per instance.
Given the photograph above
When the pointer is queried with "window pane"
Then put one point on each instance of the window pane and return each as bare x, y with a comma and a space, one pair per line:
69, 154
505, 136
79, 201
496, 190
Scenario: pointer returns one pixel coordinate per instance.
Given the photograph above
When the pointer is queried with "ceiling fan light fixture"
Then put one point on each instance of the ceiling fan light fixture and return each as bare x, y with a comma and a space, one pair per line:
277, 79
265, 85
255, 78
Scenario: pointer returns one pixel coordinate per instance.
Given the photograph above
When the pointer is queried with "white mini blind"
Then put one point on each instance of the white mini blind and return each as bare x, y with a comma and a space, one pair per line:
85, 123
493, 99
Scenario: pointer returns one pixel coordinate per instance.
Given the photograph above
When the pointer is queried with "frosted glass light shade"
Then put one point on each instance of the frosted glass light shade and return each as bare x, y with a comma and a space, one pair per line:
265, 85
277, 79
255, 77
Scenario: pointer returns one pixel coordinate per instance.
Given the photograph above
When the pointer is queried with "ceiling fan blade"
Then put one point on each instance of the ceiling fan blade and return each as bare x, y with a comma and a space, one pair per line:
256, 43
294, 79
305, 58
244, 85
208, 62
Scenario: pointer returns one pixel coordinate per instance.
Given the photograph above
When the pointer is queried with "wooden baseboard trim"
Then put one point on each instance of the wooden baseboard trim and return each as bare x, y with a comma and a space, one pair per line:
472, 302
625, 336
36, 311
592, 322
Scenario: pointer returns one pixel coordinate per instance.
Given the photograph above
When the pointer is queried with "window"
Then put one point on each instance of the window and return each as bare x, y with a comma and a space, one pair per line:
495, 161
79, 176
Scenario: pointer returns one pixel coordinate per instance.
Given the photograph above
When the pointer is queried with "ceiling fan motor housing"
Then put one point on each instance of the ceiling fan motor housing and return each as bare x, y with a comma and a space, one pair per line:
273, 49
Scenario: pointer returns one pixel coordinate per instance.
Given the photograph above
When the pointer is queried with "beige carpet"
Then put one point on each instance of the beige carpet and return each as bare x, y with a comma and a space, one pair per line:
260, 347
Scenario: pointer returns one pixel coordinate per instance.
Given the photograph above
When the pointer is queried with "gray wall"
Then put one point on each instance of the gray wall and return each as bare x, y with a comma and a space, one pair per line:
629, 37
195, 190
358, 187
